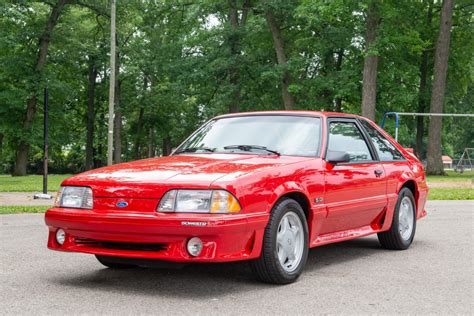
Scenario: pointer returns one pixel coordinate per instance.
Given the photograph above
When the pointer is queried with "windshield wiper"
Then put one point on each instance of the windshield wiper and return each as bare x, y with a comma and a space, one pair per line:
251, 147
195, 149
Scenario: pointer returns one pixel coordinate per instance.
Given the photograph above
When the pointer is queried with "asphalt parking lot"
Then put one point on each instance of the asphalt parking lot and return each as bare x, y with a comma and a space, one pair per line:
434, 276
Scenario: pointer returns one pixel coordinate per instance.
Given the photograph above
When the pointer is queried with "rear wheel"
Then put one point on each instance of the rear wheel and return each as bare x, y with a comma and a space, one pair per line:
113, 263
401, 233
285, 245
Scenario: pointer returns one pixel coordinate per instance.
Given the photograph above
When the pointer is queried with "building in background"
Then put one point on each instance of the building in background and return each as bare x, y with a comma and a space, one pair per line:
447, 161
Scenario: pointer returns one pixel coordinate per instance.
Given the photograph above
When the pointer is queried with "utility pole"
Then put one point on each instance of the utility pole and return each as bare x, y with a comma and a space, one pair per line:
46, 141
45, 194
110, 135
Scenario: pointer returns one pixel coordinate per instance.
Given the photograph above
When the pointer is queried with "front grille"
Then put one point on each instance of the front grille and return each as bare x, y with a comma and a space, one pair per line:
120, 245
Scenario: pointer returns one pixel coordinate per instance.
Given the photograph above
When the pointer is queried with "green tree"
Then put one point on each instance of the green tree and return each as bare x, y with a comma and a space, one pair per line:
182, 62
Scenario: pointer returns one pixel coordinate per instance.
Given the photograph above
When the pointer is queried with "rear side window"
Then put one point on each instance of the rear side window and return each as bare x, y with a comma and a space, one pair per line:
385, 149
346, 137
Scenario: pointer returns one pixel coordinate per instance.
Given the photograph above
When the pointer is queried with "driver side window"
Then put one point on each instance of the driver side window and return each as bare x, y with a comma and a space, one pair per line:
346, 137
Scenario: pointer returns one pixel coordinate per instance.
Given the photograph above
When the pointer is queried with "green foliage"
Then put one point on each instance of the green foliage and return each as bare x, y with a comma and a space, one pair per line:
175, 60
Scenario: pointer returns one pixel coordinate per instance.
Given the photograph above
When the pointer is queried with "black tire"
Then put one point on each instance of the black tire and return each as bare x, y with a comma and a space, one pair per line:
267, 267
392, 239
113, 262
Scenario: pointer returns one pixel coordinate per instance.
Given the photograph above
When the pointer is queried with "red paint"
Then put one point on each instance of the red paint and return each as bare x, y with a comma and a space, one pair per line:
354, 201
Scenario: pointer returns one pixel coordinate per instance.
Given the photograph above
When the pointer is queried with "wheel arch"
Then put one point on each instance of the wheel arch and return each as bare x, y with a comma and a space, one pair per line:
302, 200
413, 187
295, 191
301, 197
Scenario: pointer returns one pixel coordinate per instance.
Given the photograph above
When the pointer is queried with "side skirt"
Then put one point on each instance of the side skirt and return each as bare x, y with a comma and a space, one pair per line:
379, 224
344, 235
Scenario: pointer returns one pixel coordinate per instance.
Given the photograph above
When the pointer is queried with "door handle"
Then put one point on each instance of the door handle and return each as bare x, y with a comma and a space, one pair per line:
378, 172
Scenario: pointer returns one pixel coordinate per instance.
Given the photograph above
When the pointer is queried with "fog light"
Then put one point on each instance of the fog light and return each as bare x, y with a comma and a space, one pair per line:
60, 236
194, 246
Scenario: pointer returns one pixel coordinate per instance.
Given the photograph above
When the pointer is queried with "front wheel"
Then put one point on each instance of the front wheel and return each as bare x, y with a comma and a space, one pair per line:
401, 233
285, 245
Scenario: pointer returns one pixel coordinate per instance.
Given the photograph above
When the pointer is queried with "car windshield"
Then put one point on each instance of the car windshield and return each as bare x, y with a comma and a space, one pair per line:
258, 134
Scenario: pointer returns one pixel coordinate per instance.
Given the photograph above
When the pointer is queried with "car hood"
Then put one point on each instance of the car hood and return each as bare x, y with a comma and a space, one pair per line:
151, 178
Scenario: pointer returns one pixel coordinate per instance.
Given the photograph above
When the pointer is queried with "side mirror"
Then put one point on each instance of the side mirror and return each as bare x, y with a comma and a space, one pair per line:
335, 157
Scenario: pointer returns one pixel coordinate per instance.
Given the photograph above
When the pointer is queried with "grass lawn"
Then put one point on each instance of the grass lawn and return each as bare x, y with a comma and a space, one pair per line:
451, 194
14, 209
32, 183
452, 177
453, 186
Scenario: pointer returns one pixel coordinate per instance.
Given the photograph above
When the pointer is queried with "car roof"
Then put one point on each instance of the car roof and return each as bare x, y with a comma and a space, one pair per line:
295, 112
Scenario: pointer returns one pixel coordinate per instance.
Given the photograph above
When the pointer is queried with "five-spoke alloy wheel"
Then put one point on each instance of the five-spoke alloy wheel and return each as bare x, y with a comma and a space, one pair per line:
401, 234
290, 241
406, 218
285, 244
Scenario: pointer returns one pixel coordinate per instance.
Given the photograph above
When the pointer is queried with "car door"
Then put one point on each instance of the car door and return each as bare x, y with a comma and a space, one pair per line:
355, 191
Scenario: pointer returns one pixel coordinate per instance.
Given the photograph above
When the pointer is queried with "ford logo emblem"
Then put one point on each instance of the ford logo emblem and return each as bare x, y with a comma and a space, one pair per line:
122, 204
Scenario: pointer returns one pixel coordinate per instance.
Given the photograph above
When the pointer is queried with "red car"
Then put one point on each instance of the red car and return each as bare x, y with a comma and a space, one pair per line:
263, 187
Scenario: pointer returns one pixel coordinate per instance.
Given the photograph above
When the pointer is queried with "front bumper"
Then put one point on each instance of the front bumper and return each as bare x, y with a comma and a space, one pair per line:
225, 237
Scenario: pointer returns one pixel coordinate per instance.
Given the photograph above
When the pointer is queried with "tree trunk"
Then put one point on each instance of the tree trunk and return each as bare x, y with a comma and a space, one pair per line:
435, 163
118, 114
422, 102
279, 46
101, 149
90, 114
43, 45
167, 147
98, 162
369, 88
338, 100
422, 92
112, 84
151, 143
136, 147
117, 127
235, 50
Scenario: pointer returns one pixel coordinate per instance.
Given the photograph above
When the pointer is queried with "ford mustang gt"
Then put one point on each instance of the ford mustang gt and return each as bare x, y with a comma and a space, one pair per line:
262, 186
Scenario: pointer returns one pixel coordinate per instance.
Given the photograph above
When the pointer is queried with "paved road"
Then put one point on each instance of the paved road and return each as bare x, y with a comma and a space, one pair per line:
434, 276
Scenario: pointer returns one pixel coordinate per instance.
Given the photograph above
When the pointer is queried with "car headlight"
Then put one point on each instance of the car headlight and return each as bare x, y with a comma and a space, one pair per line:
75, 197
198, 201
